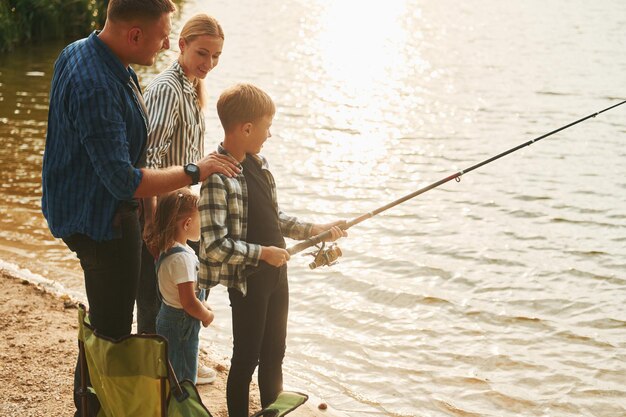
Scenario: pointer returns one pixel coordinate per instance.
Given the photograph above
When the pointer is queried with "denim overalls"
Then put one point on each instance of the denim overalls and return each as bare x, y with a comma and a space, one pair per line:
181, 331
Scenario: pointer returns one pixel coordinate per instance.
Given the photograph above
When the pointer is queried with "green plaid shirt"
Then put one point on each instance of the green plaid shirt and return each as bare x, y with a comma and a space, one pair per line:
224, 253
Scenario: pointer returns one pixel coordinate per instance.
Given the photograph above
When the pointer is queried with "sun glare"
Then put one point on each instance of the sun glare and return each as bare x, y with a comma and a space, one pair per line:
360, 42
360, 61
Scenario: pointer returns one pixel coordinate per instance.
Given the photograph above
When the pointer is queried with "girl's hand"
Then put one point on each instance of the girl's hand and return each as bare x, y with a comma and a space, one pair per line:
209, 319
192, 305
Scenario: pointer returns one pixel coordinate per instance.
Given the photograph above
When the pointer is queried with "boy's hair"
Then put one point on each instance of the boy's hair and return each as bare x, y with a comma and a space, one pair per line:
129, 10
171, 208
243, 103
201, 25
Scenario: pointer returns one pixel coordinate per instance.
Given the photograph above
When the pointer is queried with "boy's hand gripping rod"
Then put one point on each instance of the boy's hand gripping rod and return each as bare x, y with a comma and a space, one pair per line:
314, 240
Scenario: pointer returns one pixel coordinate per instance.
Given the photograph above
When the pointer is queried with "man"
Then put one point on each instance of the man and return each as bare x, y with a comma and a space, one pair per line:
93, 169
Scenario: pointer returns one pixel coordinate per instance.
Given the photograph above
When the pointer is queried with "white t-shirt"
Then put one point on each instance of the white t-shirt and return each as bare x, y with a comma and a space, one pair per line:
176, 269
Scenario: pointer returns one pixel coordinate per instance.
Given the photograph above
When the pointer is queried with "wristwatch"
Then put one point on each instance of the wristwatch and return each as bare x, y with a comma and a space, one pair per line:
194, 172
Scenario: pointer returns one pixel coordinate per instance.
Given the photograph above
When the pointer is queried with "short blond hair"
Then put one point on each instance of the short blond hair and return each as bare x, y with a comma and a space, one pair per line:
129, 10
243, 103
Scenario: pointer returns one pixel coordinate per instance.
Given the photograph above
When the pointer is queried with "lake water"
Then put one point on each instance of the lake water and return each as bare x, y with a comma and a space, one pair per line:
501, 295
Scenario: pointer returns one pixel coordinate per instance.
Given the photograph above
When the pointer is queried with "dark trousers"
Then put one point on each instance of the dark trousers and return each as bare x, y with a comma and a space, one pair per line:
111, 270
259, 337
148, 303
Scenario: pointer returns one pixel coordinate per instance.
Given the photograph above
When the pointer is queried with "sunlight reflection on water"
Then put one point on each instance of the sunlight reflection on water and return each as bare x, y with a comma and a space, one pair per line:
499, 295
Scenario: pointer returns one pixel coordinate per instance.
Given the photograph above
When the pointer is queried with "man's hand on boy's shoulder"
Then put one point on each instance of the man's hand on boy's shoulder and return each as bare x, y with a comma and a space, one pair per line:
336, 230
218, 163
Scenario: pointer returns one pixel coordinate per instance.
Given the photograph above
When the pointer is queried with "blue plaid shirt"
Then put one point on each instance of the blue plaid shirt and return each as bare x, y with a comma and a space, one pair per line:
96, 136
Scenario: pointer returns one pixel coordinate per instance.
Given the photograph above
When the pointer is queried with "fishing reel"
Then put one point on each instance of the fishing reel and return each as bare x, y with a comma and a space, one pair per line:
325, 256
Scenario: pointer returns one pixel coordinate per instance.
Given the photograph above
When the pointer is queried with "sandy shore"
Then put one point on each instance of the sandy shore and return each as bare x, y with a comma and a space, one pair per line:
38, 353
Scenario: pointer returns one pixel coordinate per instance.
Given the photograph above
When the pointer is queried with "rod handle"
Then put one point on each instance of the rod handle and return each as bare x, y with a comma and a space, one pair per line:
314, 240
305, 244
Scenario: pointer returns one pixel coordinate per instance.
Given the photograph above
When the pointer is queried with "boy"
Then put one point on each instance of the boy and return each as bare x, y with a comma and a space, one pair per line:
242, 247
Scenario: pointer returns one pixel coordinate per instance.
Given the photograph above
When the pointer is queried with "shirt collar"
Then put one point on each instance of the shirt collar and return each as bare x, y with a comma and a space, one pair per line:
259, 160
222, 151
188, 86
111, 60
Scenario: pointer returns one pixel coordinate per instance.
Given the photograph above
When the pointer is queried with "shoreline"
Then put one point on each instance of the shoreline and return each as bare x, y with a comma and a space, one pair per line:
38, 351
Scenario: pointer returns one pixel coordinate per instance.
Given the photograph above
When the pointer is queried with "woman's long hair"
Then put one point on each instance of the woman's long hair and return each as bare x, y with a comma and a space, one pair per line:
201, 25
171, 208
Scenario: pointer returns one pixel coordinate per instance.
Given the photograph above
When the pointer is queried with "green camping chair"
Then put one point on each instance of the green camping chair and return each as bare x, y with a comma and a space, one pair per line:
131, 376
286, 402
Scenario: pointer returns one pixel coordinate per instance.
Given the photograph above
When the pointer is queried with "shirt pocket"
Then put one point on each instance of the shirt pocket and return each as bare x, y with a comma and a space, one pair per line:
155, 156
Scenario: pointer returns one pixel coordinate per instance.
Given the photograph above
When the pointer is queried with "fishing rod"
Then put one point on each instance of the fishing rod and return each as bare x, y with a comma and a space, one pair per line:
328, 256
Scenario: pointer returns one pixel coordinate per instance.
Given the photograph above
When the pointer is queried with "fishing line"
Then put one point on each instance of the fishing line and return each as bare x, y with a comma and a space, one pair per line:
329, 256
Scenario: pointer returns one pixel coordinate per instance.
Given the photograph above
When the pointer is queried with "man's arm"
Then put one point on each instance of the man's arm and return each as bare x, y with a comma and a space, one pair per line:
159, 181
103, 134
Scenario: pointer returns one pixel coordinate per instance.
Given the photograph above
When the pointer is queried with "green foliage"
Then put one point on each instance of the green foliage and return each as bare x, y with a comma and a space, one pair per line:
38, 20
8, 31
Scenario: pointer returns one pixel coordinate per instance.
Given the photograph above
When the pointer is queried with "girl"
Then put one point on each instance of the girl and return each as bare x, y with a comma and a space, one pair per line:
176, 221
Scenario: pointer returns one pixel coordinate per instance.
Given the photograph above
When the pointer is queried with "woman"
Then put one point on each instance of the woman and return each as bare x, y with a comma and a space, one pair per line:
176, 96
174, 100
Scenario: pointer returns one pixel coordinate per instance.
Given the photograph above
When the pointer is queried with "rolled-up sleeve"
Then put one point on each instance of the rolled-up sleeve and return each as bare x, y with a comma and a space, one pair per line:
103, 133
292, 228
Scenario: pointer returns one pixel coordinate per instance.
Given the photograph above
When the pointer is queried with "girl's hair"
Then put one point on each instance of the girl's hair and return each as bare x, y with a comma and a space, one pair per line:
171, 208
201, 25
243, 103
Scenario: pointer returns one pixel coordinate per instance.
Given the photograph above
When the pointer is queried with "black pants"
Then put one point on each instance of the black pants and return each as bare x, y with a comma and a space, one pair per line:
148, 303
259, 337
111, 270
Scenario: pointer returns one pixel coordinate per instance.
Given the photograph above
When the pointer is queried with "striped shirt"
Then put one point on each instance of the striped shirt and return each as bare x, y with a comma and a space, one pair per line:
225, 256
176, 120
96, 136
